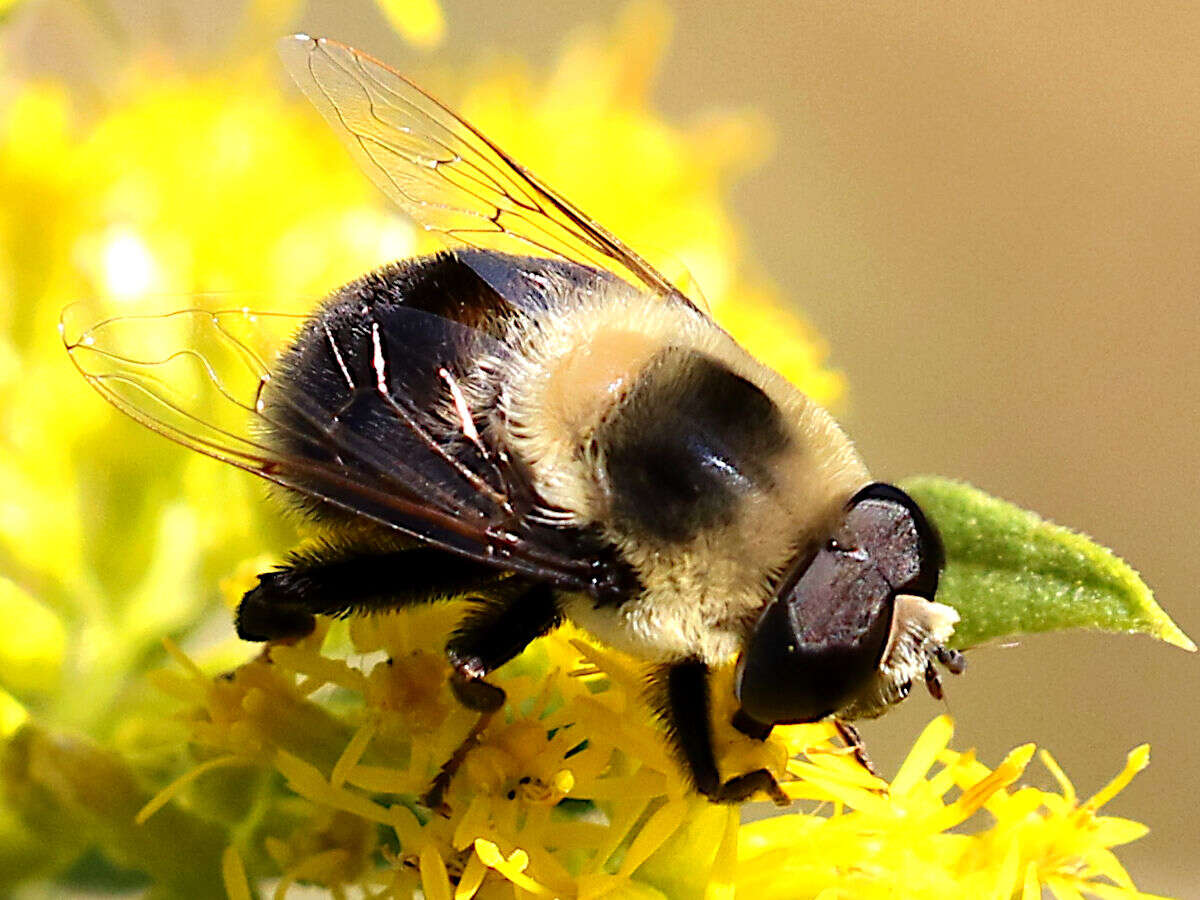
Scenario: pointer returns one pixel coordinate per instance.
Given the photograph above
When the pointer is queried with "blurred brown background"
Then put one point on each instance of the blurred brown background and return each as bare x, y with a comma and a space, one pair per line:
992, 212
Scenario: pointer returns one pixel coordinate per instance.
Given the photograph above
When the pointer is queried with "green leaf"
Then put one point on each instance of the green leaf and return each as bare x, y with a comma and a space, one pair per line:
1010, 572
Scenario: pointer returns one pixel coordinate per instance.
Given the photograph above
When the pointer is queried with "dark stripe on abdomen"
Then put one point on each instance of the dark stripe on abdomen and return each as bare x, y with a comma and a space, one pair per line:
690, 440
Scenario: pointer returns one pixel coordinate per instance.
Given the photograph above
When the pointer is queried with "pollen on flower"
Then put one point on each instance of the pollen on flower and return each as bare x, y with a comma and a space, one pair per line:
570, 792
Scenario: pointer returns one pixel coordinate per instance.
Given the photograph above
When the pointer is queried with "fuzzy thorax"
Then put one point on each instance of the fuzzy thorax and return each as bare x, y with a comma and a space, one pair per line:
613, 378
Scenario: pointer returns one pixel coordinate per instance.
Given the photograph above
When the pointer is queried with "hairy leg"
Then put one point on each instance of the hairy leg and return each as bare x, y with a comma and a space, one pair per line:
340, 578
498, 628
683, 703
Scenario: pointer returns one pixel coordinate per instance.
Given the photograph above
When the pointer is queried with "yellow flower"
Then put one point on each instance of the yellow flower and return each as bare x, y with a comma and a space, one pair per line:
571, 794
912, 842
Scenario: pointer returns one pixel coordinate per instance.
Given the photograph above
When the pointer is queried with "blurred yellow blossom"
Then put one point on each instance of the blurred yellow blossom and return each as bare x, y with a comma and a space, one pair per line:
303, 765
420, 21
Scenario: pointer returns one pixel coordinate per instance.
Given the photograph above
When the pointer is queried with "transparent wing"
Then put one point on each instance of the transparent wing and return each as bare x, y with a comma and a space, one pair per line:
446, 175
204, 378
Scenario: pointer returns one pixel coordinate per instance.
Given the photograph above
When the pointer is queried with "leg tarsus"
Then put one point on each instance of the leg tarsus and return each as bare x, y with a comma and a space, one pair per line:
435, 797
473, 692
854, 743
685, 707
933, 682
742, 787
493, 633
954, 661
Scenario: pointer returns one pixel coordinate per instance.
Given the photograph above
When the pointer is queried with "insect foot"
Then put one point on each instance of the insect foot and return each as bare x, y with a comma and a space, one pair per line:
743, 787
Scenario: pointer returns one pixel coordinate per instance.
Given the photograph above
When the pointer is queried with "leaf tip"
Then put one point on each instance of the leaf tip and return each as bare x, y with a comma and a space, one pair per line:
1009, 571
1172, 634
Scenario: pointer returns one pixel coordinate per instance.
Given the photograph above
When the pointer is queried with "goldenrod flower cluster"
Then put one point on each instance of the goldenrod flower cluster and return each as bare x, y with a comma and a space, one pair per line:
571, 794
304, 765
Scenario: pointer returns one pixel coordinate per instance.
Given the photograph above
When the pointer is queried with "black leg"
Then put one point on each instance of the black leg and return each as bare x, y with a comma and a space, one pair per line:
337, 579
683, 703
854, 743
509, 612
498, 628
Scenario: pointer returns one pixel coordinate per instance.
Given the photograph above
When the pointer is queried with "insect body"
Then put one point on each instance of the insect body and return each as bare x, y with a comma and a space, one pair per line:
536, 420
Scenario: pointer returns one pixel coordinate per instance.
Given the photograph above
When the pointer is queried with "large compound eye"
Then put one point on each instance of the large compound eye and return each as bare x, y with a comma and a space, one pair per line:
818, 642
889, 525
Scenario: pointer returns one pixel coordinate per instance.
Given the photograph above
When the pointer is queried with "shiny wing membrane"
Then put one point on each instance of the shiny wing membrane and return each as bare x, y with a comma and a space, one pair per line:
203, 378
447, 176
394, 441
